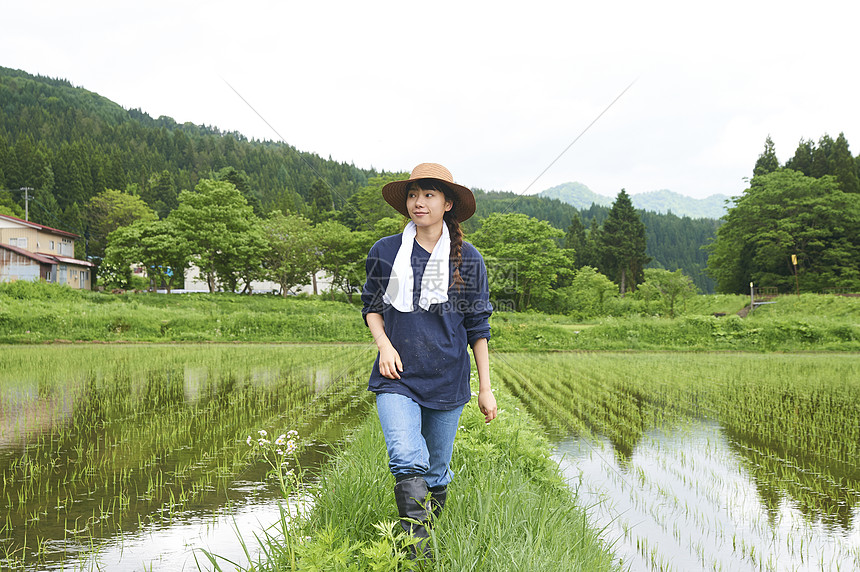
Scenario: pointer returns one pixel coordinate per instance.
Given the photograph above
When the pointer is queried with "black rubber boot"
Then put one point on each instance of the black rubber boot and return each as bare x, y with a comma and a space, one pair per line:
438, 496
414, 510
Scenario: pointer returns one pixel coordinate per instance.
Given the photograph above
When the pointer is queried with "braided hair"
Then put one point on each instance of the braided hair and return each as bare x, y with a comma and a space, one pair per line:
456, 234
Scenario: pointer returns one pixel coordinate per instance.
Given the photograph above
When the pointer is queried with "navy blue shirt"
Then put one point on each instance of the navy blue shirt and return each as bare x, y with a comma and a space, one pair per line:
433, 343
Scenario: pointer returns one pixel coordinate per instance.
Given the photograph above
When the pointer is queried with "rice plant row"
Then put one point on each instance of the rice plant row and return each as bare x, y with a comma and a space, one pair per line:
97, 440
708, 461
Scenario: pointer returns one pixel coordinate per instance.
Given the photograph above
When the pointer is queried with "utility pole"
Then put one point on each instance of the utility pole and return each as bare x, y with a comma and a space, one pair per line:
27, 197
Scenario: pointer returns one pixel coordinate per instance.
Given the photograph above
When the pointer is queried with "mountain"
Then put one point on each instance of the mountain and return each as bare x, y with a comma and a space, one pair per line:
665, 201
662, 201
576, 194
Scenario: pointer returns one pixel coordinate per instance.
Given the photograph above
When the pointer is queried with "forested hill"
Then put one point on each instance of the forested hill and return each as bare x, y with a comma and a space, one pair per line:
673, 242
74, 143
68, 144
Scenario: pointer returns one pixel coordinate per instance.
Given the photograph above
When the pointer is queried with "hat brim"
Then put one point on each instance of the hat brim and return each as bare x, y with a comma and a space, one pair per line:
394, 194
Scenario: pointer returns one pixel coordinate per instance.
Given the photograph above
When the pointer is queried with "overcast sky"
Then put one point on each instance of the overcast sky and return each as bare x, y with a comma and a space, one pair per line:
495, 91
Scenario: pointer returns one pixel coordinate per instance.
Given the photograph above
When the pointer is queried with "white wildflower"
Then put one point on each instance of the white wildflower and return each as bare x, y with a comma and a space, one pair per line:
262, 432
250, 441
281, 440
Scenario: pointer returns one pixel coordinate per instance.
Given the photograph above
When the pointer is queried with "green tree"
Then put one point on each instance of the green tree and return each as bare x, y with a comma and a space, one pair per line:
9, 206
667, 289
44, 208
109, 210
621, 245
785, 213
802, 160
157, 245
523, 258
122, 251
290, 258
587, 295
821, 164
342, 254
844, 166
242, 182
321, 201
579, 240
366, 207
164, 251
767, 161
288, 201
160, 193
225, 237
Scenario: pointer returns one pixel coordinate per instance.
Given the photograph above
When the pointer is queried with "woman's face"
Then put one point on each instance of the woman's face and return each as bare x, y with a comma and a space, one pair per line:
426, 206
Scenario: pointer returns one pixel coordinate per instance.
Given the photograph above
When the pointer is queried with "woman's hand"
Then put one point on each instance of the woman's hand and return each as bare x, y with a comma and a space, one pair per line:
389, 359
389, 362
487, 404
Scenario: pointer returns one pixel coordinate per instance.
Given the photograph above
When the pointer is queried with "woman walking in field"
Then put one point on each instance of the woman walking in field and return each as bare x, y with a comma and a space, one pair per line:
425, 300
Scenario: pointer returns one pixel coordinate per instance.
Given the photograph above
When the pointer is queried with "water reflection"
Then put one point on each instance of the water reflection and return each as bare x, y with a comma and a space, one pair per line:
820, 488
129, 445
699, 498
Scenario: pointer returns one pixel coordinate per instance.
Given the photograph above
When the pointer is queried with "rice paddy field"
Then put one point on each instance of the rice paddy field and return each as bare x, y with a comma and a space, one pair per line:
724, 461
130, 457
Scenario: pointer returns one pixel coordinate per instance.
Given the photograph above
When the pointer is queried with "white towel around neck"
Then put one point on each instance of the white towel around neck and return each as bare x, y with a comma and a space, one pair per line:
434, 283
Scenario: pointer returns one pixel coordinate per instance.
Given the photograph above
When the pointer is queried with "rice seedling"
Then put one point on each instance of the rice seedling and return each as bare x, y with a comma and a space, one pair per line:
707, 461
101, 441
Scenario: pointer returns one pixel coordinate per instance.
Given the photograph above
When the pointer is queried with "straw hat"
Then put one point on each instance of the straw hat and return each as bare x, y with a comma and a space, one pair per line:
394, 192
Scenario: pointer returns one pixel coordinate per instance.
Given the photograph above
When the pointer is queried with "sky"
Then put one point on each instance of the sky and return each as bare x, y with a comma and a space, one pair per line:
510, 96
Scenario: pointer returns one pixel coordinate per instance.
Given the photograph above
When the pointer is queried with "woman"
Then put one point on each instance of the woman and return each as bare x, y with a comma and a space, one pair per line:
425, 300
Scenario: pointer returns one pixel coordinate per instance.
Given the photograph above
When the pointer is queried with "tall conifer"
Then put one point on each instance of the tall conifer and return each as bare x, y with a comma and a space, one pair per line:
767, 161
621, 245
844, 166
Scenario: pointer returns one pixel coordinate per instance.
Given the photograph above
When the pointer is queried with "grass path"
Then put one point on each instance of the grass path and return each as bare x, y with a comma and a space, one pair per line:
508, 508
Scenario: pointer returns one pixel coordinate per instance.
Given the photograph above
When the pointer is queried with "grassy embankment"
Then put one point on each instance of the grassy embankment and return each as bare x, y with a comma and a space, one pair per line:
519, 512
34, 313
508, 508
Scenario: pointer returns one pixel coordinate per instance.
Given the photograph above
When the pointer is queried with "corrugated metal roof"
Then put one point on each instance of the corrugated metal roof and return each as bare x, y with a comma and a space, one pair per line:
65, 260
40, 226
41, 258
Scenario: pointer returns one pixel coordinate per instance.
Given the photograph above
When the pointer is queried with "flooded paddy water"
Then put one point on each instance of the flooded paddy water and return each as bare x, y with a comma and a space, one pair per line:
130, 457
707, 461
133, 457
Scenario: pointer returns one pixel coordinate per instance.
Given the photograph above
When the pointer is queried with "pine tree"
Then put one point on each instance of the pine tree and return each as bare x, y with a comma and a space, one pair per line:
844, 166
802, 160
821, 158
767, 161
580, 242
621, 245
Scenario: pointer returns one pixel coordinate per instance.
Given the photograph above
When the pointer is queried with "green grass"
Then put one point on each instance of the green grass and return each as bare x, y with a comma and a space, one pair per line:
508, 508
32, 313
38, 313
811, 322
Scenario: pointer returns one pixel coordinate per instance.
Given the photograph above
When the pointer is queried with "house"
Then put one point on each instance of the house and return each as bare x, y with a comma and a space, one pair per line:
195, 282
31, 251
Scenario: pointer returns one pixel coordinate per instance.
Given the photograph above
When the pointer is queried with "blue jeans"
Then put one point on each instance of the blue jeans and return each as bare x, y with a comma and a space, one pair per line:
420, 440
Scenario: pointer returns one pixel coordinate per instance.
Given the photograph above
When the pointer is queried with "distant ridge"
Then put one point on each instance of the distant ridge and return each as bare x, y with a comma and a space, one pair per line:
662, 201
